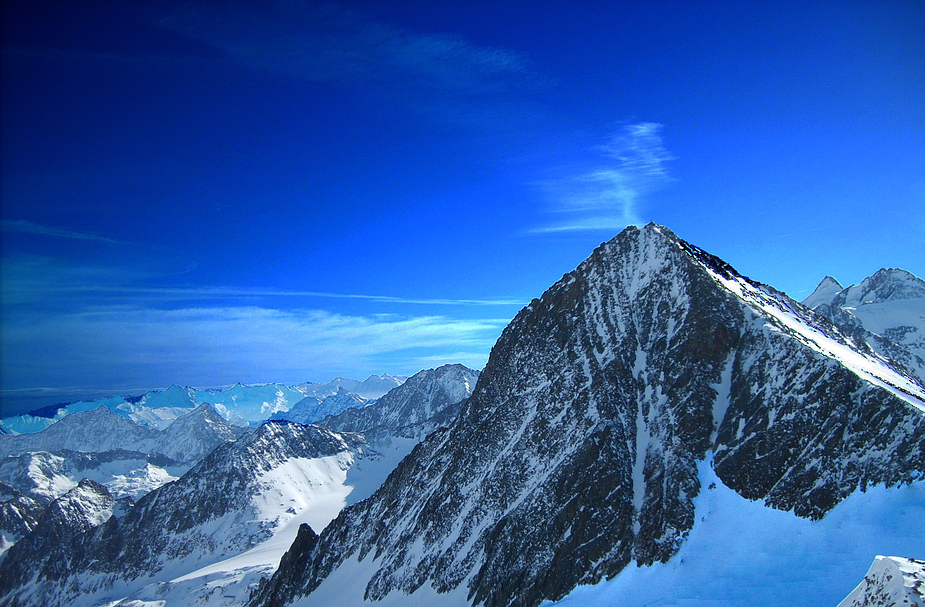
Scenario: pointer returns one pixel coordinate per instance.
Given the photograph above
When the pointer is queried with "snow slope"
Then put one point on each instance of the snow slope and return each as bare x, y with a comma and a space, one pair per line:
741, 553
309, 491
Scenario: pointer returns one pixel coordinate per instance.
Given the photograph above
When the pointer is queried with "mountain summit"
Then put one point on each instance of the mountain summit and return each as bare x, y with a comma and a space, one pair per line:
887, 310
577, 452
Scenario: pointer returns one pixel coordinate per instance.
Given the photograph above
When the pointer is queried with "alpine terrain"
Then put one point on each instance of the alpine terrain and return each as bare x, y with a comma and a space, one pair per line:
655, 429
887, 310
583, 445
240, 404
209, 535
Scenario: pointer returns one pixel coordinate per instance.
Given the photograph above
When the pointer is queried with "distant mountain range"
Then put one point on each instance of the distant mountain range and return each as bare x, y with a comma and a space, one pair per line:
656, 428
240, 404
226, 502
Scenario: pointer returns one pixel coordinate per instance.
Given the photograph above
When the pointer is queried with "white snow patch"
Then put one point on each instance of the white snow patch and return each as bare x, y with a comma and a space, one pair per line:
315, 486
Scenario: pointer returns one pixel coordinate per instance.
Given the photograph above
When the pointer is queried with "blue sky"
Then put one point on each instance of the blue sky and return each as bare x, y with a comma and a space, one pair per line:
209, 192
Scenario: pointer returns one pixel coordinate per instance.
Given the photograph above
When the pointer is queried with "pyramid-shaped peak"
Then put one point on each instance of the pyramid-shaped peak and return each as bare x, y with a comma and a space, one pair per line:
824, 293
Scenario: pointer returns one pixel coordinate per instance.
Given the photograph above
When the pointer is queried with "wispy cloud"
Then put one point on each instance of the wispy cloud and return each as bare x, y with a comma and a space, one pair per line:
30, 280
67, 325
214, 345
27, 227
321, 42
607, 195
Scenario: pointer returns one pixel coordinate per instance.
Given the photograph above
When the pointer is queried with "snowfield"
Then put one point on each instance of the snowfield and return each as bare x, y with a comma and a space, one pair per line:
741, 553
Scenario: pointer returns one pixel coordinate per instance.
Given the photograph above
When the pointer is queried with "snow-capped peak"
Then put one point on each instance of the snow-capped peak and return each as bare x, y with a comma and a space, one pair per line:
824, 293
888, 284
891, 580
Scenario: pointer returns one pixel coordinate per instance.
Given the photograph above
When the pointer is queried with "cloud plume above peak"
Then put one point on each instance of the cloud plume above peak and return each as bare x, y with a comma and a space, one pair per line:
607, 194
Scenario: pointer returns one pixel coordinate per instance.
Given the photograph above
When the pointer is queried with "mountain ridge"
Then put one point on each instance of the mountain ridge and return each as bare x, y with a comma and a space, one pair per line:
577, 452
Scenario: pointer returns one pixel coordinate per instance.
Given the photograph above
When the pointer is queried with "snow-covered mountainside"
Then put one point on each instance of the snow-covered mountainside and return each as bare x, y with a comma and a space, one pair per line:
237, 497
198, 563
579, 451
194, 435
425, 394
91, 431
891, 581
310, 409
370, 388
19, 515
133, 460
186, 440
887, 310
45, 476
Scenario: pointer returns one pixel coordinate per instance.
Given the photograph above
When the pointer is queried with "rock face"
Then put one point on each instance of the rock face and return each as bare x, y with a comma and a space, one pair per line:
577, 452
19, 515
217, 508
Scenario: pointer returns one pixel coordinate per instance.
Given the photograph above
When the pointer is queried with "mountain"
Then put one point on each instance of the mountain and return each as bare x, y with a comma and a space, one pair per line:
240, 404
192, 436
19, 515
370, 388
186, 440
890, 581
92, 431
206, 537
393, 425
581, 448
421, 397
45, 476
824, 293
310, 409
887, 310
238, 496
133, 460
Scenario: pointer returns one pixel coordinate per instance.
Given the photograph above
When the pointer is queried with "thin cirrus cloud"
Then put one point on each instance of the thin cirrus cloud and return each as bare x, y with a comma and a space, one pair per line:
203, 346
326, 42
28, 227
608, 194
99, 328
30, 280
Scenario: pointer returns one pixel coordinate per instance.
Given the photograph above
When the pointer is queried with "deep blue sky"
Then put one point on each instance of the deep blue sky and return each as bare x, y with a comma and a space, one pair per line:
209, 192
